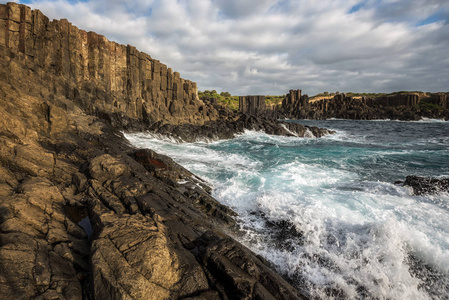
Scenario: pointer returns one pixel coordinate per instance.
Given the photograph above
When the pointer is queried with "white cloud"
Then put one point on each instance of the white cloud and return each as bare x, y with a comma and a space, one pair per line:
271, 46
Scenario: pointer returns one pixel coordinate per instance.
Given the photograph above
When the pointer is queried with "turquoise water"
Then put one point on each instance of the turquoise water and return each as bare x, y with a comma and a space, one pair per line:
357, 235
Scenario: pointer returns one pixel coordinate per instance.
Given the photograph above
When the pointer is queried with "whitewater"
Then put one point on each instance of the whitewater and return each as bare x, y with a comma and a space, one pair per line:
326, 212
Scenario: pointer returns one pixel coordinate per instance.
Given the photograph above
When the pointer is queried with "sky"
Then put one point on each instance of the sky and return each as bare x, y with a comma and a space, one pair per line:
267, 47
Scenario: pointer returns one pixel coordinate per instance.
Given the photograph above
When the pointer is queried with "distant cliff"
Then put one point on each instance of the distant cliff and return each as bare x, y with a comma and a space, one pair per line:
99, 75
402, 106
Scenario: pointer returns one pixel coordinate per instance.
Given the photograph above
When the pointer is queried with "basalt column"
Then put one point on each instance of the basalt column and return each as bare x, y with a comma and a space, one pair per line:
252, 105
99, 75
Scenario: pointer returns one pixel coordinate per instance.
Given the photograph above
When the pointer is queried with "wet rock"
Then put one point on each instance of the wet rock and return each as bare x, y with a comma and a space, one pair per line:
427, 185
229, 128
236, 271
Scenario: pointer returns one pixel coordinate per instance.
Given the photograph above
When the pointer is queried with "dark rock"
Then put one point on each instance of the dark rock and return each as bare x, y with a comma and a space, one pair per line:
227, 129
252, 105
233, 269
396, 106
427, 185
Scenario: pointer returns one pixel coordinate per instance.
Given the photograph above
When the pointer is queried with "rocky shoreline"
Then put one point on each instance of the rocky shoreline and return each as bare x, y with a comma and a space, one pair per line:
152, 236
83, 214
226, 129
150, 228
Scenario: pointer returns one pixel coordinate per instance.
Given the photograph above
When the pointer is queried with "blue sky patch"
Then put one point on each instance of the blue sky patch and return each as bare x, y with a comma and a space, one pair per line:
438, 16
356, 7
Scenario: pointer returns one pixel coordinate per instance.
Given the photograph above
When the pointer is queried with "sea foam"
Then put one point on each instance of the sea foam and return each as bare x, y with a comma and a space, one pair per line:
346, 230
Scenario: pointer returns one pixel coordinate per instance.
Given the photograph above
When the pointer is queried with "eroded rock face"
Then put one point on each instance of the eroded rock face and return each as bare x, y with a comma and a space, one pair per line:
131, 256
42, 252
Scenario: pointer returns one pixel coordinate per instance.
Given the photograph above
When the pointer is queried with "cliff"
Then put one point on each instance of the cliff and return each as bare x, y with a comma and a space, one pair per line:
100, 76
83, 215
402, 106
252, 105
114, 82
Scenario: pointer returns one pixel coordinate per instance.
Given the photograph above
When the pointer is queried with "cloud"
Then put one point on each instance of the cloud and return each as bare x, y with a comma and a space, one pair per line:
236, 9
271, 46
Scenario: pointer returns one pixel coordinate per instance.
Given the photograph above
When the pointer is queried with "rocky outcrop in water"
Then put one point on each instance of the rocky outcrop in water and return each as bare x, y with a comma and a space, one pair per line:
227, 129
83, 215
427, 185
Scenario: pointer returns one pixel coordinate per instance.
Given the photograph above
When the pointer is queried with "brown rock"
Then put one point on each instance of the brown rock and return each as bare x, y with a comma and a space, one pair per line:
131, 258
32, 222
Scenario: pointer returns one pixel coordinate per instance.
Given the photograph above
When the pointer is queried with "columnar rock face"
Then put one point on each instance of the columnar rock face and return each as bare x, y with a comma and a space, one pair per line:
439, 99
252, 105
443, 101
408, 100
294, 103
100, 75
292, 97
404, 106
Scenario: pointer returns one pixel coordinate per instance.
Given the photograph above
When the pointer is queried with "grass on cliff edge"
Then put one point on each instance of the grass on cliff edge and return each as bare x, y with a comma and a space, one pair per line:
223, 99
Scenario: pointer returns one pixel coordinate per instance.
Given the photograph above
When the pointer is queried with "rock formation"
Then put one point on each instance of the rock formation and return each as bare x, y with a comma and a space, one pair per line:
294, 97
83, 215
99, 75
408, 100
252, 105
427, 185
403, 106
440, 99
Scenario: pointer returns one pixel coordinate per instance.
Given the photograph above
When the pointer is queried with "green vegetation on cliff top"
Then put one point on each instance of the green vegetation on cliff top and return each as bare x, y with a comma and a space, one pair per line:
232, 102
223, 99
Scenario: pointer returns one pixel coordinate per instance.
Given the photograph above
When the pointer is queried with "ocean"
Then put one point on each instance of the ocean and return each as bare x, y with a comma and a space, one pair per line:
326, 212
